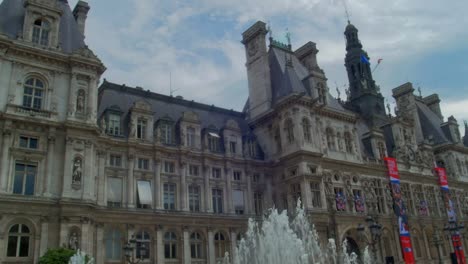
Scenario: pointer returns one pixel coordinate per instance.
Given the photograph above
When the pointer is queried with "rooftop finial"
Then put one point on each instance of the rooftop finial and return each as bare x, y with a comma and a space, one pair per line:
419, 91
288, 36
346, 12
270, 31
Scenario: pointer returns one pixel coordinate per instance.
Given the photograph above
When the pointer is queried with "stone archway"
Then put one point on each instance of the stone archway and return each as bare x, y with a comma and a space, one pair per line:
352, 246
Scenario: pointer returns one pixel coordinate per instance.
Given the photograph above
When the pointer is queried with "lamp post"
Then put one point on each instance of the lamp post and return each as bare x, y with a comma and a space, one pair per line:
129, 250
437, 241
452, 230
375, 231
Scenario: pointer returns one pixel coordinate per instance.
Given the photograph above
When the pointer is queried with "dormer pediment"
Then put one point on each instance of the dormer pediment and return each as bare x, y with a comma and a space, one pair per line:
190, 116
141, 106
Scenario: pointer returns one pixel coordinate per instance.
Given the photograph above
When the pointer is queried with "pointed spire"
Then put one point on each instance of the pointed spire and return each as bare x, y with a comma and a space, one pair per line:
466, 128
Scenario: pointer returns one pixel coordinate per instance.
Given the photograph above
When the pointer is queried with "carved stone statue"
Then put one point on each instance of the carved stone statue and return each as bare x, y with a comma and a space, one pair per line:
73, 242
103, 125
77, 171
80, 102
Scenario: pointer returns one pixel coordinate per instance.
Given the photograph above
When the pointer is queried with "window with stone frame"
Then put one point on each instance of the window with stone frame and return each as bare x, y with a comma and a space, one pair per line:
141, 128
114, 125
421, 201
330, 138
221, 245
295, 190
115, 160
196, 246
113, 243
143, 164
277, 137
216, 173
237, 175
306, 130
233, 144
322, 93
252, 148
258, 203
289, 129
169, 167
381, 149
407, 199
379, 192
217, 197
114, 192
144, 196
194, 198
213, 142
238, 201
316, 193
256, 177
194, 170
169, 196
166, 132
25, 178
348, 139
429, 192
33, 93
170, 245
143, 245
28, 142
41, 32
19, 242
191, 137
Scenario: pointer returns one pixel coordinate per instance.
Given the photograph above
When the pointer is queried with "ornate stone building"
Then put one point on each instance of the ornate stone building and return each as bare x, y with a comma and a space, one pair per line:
88, 167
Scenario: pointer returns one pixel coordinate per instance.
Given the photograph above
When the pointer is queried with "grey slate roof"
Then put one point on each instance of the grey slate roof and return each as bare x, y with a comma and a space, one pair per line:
430, 124
111, 94
12, 20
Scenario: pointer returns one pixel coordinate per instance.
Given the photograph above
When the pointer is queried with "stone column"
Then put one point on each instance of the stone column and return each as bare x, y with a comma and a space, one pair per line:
157, 182
68, 168
89, 176
47, 190
186, 248
72, 96
233, 245
307, 196
85, 235
99, 255
130, 189
92, 100
211, 247
206, 174
183, 187
44, 236
159, 245
249, 197
5, 158
102, 179
228, 202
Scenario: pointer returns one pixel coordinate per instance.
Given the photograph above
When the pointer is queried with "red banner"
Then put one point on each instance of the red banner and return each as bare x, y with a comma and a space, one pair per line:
400, 210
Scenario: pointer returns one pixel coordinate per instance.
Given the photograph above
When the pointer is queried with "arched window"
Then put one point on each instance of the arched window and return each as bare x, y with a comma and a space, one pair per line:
322, 96
348, 142
196, 246
289, 128
113, 241
33, 95
166, 133
41, 30
143, 245
190, 137
330, 138
19, 239
221, 245
306, 129
170, 245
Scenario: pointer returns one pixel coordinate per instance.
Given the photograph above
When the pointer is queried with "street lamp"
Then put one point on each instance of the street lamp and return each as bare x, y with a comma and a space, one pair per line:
452, 230
375, 230
129, 250
438, 242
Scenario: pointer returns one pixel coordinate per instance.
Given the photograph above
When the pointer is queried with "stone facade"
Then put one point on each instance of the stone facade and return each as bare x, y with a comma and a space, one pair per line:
88, 167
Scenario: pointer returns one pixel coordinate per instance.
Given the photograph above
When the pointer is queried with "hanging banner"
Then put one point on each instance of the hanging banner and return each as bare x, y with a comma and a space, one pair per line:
359, 203
400, 210
452, 216
340, 201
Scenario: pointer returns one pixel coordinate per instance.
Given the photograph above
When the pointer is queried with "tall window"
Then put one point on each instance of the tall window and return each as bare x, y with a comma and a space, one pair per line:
216, 173
166, 133
114, 192
258, 203
144, 195
33, 93
237, 175
220, 245
170, 245
330, 139
348, 142
196, 246
41, 30
143, 164
143, 245
114, 125
256, 177
194, 170
25, 178
169, 196
213, 142
28, 142
306, 129
232, 144
289, 128
141, 128
316, 194
238, 201
115, 160
381, 148
217, 195
194, 198
113, 241
169, 167
405, 191
380, 199
278, 140
191, 137
322, 96
252, 148
296, 193
19, 239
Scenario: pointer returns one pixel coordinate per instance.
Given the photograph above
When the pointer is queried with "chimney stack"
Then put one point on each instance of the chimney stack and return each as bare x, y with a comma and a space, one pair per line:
80, 12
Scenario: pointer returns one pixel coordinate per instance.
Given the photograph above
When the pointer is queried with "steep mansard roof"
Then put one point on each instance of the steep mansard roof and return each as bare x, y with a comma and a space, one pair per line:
12, 19
430, 124
163, 106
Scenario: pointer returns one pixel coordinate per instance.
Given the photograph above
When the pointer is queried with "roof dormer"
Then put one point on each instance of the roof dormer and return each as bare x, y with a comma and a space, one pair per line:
41, 23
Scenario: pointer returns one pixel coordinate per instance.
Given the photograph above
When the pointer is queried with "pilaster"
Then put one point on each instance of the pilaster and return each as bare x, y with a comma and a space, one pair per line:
50, 164
159, 245
211, 248
5, 158
206, 175
183, 187
186, 248
102, 179
130, 181
158, 188
228, 174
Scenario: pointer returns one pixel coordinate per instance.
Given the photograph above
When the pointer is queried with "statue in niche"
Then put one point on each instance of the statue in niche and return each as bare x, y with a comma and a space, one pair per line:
73, 242
77, 171
132, 125
103, 125
80, 102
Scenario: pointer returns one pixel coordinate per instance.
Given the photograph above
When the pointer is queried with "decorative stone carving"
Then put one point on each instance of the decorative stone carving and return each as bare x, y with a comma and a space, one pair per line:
73, 241
80, 101
103, 125
77, 171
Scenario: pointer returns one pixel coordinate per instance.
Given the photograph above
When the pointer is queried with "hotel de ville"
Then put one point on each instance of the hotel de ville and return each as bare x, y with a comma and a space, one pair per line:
88, 163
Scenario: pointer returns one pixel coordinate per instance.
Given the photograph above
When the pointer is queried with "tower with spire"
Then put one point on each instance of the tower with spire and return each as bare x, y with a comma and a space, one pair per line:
465, 138
365, 97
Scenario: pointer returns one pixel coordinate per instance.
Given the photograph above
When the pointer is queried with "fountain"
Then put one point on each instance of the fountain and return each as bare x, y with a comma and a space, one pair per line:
278, 241
80, 258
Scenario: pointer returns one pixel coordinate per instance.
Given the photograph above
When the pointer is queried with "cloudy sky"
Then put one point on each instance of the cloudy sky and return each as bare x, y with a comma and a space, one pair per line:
144, 42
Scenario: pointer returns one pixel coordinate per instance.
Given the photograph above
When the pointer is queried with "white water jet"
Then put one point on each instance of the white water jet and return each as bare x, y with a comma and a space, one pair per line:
80, 258
279, 241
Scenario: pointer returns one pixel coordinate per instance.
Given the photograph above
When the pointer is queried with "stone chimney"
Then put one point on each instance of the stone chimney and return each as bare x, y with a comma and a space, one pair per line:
307, 54
80, 12
433, 102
